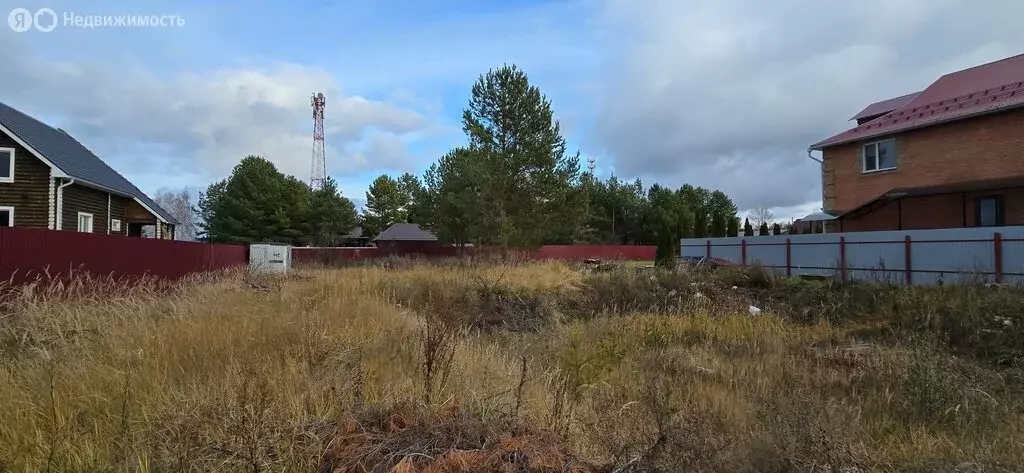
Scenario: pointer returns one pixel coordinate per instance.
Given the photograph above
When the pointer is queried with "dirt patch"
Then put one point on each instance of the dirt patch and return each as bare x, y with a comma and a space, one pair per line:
407, 440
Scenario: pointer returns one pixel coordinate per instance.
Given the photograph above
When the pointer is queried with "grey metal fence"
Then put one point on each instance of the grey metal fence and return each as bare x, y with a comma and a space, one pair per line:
909, 256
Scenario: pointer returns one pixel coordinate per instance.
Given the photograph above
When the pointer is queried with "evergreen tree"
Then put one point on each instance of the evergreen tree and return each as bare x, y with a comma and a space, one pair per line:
256, 203
529, 181
776, 229
748, 229
330, 216
734, 227
386, 203
763, 229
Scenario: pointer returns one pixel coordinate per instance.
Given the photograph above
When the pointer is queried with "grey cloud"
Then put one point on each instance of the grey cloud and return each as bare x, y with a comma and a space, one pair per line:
203, 122
729, 94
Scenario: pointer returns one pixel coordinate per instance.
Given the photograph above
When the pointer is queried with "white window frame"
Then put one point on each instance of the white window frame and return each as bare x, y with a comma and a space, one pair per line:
9, 210
91, 222
864, 156
11, 177
115, 225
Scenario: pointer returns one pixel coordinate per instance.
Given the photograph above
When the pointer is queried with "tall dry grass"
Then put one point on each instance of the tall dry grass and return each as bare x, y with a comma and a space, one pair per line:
392, 368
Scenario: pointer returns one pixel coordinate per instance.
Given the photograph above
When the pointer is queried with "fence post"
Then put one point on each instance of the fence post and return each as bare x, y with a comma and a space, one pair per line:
789, 258
997, 250
743, 251
907, 260
707, 250
842, 258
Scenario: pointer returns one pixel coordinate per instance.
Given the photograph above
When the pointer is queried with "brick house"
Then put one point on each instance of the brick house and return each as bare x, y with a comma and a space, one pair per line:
50, 180
949, 156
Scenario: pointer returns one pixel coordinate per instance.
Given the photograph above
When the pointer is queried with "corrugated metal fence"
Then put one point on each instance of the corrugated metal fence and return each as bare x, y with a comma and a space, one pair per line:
341, 256
910, 256
27, 253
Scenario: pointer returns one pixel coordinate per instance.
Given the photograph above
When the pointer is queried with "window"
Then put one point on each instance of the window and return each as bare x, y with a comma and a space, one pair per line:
6, 216
879, 156
6, 164
990, 211
115, 225
84, 222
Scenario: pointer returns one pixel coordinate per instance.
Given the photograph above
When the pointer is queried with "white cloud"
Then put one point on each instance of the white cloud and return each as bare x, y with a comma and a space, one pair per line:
205, 122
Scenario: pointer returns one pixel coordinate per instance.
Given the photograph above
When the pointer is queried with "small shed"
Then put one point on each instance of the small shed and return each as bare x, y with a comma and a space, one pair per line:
813, 223
405, 238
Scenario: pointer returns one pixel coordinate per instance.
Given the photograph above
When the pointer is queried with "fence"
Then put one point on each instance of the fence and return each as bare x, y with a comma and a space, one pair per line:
27, 253
340, 256
912, 257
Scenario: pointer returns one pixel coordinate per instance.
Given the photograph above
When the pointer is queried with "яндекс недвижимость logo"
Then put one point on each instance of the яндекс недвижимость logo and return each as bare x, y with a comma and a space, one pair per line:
45, 20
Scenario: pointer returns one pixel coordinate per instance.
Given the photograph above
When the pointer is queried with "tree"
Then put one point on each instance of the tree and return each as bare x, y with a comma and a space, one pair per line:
454, 198
256, 203
719, 224
415, 194
761, 215
179, 205
734, 227
763, 230
330, 215
748, 229
529, 182
386, 203
776, 229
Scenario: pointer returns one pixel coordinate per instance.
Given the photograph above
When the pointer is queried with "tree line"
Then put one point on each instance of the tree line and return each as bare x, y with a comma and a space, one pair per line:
512, 184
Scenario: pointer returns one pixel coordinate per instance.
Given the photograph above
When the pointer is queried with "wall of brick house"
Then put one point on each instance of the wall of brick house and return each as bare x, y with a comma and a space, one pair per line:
938, 211
986, 147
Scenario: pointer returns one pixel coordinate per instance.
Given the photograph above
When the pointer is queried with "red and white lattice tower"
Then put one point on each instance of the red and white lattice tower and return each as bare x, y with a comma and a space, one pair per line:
319, 170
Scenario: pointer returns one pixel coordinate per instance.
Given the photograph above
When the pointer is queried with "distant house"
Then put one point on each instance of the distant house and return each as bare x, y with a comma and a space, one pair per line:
50, 180
405, 238
949, 156
355, 238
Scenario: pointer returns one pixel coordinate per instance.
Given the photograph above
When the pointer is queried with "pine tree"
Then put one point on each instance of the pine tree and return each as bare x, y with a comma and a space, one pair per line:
734, 227
748, 230
528, 180
386, 203
763, 230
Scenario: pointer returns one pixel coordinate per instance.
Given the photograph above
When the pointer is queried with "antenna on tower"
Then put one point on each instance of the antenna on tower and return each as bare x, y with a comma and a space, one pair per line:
318, 174
591, 165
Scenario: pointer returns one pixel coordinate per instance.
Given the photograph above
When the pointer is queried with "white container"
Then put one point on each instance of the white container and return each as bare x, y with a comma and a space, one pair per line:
270, 258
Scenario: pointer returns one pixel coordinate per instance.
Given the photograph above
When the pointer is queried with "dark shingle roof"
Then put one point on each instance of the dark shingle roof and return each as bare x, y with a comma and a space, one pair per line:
991, 87
405, 232
73, 158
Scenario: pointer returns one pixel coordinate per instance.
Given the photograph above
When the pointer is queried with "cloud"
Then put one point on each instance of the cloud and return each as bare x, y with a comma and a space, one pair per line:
202, 123
729, 94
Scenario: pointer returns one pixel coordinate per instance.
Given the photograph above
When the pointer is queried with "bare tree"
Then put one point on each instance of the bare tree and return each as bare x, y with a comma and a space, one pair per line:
179, 205
761, 215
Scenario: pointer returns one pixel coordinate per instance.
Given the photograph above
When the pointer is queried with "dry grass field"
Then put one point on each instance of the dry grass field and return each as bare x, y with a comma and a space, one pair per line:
409, 367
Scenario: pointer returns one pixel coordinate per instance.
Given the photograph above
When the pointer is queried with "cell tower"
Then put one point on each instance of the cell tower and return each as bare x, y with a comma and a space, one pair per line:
591, 165
319, 170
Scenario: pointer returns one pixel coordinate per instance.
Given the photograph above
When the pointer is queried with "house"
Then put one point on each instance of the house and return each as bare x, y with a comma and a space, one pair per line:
50, 180
405, 238
355, 238
949, 156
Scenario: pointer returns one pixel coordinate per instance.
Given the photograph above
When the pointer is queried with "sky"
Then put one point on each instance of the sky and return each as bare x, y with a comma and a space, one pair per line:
725, 94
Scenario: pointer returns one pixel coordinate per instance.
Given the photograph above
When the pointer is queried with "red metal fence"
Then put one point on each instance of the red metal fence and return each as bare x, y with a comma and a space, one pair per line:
338, 256
27, 253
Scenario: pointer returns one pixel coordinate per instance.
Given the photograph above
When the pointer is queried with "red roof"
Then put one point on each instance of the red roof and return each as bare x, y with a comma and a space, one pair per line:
885, 106
983, 89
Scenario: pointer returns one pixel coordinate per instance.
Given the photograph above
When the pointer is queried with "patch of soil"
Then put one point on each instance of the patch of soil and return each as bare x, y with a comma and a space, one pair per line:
408, 440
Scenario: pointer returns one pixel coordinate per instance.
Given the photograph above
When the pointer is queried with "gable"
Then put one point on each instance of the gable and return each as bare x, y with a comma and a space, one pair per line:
989, 88
66, 154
